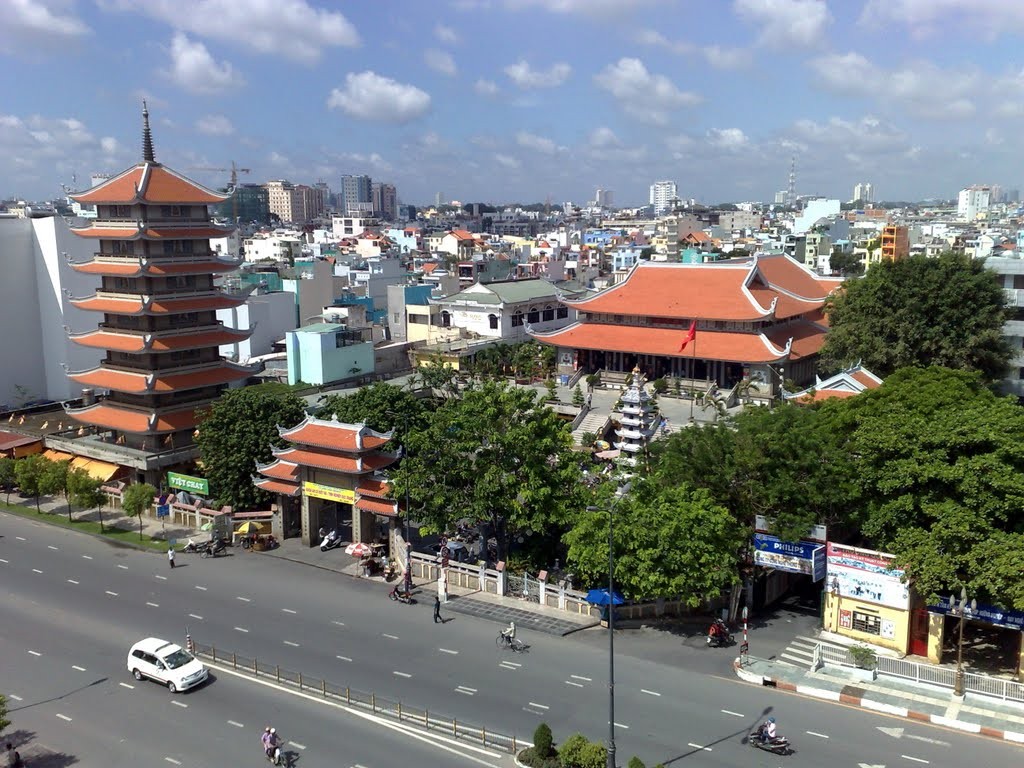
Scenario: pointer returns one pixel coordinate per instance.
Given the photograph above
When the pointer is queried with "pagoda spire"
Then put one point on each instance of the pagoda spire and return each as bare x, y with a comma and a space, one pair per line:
147, 136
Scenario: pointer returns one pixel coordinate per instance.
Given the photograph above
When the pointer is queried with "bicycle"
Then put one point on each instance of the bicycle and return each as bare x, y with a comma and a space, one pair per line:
514, 643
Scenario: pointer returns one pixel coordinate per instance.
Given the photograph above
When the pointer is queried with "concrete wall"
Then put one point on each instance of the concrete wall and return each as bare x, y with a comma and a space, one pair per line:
269, 315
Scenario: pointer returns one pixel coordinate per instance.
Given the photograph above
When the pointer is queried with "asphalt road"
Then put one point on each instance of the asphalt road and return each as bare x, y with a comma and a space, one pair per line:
347, 630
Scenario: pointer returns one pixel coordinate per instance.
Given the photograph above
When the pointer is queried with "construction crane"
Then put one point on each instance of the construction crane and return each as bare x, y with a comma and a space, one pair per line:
235, 170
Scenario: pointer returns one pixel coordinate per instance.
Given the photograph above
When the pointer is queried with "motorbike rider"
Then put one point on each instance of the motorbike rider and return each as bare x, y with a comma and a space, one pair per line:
718, 629
768, 732
270, 741
265, 739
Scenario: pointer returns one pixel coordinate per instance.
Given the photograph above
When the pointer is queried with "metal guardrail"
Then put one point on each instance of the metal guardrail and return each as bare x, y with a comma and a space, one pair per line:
378, 705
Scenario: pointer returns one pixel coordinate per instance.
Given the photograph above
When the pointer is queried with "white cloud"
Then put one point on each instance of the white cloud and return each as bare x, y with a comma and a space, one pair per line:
584, 7
369, 96
602, 137
507, 161
786, 23
440, 61
726, 58
109, 145
717, 56
679, 145
486, 87
215, 125
523, 75
925, 17
729, 139
289, 28
536, 143
28, 24
194, 69
646, 96
445, 34
868, 135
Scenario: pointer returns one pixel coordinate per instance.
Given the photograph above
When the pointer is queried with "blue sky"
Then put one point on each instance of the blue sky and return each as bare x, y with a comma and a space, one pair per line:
505, 100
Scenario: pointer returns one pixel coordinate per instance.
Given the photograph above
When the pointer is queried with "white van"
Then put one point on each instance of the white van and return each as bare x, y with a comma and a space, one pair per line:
166, 663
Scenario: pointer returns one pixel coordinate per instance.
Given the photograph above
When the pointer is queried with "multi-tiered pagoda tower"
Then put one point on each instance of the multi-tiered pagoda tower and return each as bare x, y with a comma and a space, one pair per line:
639, 421
159, 304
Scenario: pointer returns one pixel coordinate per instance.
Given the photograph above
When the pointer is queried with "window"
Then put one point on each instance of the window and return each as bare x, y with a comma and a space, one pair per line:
446, 319
1018, 282
865, 622
492, 322
549, 313
533, 316
121, 211
562, 312
517, 319
172, 211
122, 247
397, 318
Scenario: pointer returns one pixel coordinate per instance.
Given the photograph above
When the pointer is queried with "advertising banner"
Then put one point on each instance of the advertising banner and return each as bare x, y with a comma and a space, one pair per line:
329, 492
864, 574
798, 557
816, 532
188, 483
1001, 617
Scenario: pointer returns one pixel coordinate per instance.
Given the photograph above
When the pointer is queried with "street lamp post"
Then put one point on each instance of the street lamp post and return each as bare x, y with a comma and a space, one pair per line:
408, 529
961, 608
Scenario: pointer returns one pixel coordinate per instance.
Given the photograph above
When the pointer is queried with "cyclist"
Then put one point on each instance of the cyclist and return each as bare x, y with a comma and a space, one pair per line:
509, 633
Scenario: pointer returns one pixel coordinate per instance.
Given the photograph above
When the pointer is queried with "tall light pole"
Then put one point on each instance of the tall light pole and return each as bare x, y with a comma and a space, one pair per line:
408, 531
961, 608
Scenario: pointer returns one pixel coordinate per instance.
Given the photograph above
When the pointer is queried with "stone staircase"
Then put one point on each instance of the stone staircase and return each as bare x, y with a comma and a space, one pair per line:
800, 652
595, 422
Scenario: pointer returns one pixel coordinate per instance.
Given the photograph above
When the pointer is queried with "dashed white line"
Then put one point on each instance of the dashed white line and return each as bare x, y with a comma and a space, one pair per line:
819, 735
287, 610
915, 759
297, 745
87, 557
181, 704
129, 687
620, 725
201, 589
507, 665
401, 674
649, 693
153, 605
343, 658
172, 760
466, 690
35, 653
122, 567
339, 623
16, 698
390, 637
511, 664
580, 677
241, 629
20, 538
730, 712
36, 570
289, 642
72, 581
50, 546
237, 725
65, 718
574, 685
448, 650
195, 616
4, 561
243, 599
162, 578
538, 706
698, 746
112, 594
78, 668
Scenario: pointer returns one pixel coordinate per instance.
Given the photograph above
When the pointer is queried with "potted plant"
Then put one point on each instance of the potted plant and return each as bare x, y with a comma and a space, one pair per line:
865, 660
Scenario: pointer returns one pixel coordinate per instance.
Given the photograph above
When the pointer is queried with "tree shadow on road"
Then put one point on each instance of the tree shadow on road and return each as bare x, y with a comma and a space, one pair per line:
745, 733
38, 756
73, 691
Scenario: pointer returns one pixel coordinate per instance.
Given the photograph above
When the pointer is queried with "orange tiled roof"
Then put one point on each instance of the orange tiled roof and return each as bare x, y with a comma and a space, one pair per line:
782, 272
281, 470
428, 268
334, 435
276, 486
110, 233
118, 342
309, 457
808, 339
820, 395
461, 234
150, 183
868, 380
138, 383
377, 488
194, 340
114, 306
186, 233
130, 420
711, 345
786, 306
133, 268
196, 304
378, 507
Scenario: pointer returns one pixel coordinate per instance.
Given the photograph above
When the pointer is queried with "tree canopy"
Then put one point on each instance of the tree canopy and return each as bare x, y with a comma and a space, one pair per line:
86, 491
30, 473
237, 432
136, 499
381, 406
947, 311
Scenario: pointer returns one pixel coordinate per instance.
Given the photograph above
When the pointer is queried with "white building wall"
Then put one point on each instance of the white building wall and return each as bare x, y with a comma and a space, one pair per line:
815, 210
270, 316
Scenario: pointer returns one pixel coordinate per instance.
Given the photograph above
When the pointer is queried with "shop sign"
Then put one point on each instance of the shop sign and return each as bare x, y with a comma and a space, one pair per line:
329, 492
188, 483
798, 557
815, 533
863, 574
1000, 617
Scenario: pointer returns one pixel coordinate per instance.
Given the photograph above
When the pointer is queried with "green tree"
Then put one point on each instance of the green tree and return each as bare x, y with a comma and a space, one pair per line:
579, 752
86, 491
941, 467
7, 475
845, 263
577, 397
4, 722
495, 454
381, 406
30, 472
669, 541
635, 762
237, 432
439, 376
947, 311
54, 482
542, 741
136, 499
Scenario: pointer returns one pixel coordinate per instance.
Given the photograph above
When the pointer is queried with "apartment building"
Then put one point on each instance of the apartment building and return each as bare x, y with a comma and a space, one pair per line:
973, 201
663, 197
385, 201
284, 200
356, 195
895, 242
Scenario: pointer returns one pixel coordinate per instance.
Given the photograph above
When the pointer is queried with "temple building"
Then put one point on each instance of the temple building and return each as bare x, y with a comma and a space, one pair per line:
758, 321
160, 333
328, 478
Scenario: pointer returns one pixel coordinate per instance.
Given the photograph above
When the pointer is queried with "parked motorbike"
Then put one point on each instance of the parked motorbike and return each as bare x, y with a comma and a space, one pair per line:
778, 746
330, 540
401, 596
719, 635
214, 549
193, 547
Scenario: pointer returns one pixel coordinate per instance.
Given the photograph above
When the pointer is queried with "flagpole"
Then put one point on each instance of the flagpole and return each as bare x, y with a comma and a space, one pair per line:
693, 365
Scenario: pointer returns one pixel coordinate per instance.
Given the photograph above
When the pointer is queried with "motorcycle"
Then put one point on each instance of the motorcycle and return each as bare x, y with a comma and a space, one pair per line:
401, 596
779, 745
719, 635
214, 548
274, 755
330, 540
193, 547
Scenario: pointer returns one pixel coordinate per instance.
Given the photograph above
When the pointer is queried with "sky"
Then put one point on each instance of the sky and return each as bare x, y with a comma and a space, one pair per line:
520, 100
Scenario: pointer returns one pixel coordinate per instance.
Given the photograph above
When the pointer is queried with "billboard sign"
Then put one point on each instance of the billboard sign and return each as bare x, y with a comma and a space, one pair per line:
199, 485
815, 533
798, 557
1000, 617
864, 574
329, 492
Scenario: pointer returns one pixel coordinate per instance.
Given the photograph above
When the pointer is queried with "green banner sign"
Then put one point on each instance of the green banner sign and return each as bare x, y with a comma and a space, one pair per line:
188, 483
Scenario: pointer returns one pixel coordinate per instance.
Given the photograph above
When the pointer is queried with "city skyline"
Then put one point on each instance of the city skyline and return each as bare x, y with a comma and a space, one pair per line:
521, 100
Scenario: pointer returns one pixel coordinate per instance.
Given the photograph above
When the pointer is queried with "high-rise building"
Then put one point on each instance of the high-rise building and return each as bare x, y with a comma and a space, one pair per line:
284, 200
663, 197
603, 198
357, 195
313, 201
972, 201
160, 330
780, 197
385, 201
863, 192
438, 200
248, 203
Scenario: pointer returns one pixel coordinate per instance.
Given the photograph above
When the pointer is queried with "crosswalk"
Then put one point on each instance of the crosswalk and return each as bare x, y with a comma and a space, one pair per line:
800, 652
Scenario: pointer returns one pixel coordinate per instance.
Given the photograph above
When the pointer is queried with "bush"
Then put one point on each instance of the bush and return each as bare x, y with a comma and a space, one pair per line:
577, 396
530, 758
660, 386
863, 656
636, 762
542, 741
578, 752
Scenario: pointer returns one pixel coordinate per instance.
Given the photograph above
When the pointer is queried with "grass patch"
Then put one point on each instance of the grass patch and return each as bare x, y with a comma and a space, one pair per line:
114, 533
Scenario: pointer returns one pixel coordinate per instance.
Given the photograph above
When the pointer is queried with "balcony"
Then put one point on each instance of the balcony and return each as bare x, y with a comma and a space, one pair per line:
1014, 297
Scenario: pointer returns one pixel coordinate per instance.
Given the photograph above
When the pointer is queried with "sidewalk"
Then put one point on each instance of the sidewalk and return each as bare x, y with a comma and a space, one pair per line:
892, 696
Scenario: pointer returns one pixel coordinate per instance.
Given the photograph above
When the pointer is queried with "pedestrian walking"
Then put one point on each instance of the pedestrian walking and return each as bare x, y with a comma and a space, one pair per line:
437, 610
170, 556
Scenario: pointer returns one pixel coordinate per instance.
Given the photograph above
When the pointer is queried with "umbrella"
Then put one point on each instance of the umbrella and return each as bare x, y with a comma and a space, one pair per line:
249, 527
359, 549
208, 526
602, 597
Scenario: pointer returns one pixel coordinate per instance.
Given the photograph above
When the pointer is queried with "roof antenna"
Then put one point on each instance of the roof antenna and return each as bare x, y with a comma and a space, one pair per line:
147, 136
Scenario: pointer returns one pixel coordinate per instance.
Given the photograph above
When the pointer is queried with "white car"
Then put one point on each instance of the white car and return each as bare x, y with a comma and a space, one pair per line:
166, 663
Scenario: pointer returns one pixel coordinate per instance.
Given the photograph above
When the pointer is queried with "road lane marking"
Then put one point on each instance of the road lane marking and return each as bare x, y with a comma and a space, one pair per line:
36, 570
129, 687
50, 546
448, 650
819, 735
72, 581
180, 704
577, 685
112, 594
201, 589
343, 658
539, 706
35, 653
289, 642
297, 745
339, 623
401, 674
78, 668
237, 725
243, 599
4, 561
620, 725
466, 690
65, 718
20, 538
87, 557
650, 693
172, 760
162, 578
730, 712
915, 759
511, 664
580, 677
698, 746
288, 610
195, 616
153, 605
506, 665
242, 629
390, 637
122, 567
16, 698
